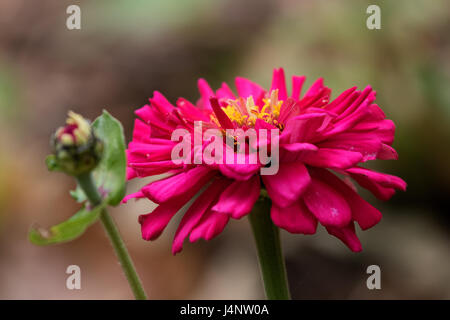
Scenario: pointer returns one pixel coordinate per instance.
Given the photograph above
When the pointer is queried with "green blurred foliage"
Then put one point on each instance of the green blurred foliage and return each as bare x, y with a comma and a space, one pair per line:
143, 17
9, 92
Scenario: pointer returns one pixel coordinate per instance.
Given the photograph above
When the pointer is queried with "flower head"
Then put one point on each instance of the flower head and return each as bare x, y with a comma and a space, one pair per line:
76, 148
317, 139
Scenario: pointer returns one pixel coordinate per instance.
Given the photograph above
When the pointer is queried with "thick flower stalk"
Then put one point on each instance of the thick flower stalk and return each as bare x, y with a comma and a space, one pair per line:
319, 138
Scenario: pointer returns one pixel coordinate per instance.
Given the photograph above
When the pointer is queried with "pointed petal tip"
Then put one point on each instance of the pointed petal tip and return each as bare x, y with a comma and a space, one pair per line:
177, 247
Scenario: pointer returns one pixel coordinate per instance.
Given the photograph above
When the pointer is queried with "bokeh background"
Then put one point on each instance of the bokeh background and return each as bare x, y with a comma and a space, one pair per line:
127, 49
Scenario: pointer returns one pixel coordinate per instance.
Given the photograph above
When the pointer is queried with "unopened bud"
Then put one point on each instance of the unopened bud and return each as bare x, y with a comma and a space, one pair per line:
76, 148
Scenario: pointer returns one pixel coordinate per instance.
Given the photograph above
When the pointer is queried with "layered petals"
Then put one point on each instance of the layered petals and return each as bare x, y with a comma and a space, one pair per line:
164, 190
332, 158
196, 211
327, 204
319, 149
238, 199
380, 184
362, 212
286, 187
247, 88
296, 218
210, 225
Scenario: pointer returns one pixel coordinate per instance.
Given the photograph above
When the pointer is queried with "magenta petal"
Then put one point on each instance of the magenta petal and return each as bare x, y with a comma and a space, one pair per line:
195, 213
225, 92
261, 124
385, 180
382, 193
384, 129
342, 101
240, 172
299, 146
211, 224
136, 195
362, 212
223, 119
295, 218
315, 89
286, 187
297, 84
238, 199
144, 169
166, 189
279, 82
366, 97
131, 173
242, 167
347, 235
205, 92
381, 185
367, 144
303, 128
154, 223
161, 103
295, 152
141, 131
387, 153
327, 204
145, 152
332, 158
246, 88
289, 109
190, 112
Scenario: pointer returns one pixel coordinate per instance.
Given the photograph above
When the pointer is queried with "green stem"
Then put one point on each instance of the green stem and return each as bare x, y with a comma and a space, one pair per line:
267, 238
87, 184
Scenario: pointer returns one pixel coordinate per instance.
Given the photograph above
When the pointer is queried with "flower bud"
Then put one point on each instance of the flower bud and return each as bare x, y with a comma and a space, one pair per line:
76, 148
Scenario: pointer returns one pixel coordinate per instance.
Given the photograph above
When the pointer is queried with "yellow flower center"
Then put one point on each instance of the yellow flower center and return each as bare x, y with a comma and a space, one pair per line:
244, 112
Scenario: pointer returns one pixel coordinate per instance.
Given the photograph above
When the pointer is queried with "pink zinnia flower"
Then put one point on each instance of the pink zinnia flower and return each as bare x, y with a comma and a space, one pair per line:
318, 138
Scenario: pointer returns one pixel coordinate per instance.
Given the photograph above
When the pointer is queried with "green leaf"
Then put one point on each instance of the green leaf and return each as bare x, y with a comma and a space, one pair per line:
110, 173
67, 230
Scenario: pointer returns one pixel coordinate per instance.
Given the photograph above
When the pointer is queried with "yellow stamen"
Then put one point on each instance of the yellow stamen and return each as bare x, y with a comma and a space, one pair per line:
245, 112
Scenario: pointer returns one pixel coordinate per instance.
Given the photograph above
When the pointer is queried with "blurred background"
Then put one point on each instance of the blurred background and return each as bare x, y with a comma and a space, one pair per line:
127, 49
